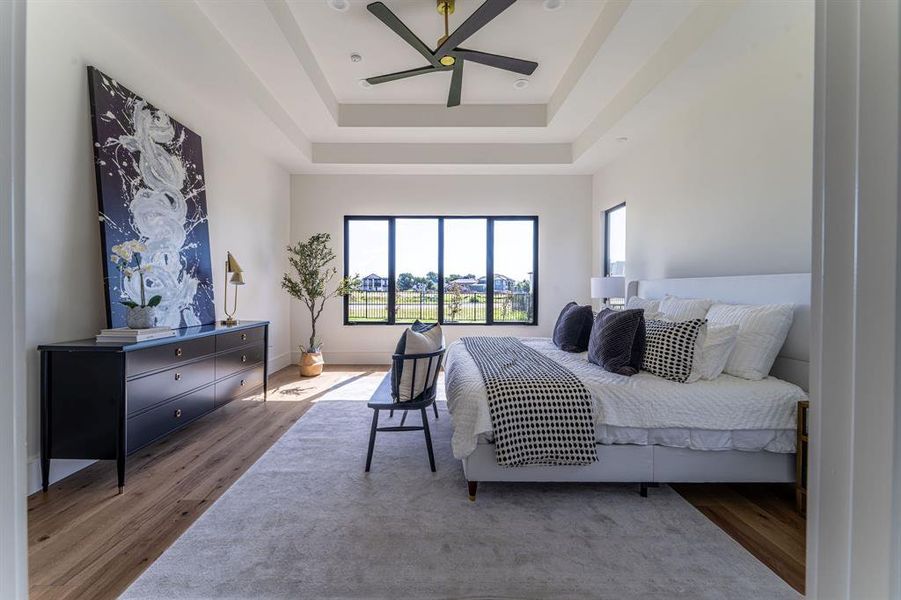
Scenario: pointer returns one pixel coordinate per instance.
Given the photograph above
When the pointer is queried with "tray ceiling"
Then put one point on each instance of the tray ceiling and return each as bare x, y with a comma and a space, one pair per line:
608, 70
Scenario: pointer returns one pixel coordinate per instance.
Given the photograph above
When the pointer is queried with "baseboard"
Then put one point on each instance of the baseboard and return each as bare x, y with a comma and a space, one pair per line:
352, 358
277, 363
60, 468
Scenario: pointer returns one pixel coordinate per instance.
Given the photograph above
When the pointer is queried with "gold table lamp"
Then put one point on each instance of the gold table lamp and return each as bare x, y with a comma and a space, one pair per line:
237, 278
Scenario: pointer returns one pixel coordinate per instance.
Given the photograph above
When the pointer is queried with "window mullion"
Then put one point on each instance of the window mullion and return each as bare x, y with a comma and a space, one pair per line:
489, 273
441, 270
392, 275
533, 282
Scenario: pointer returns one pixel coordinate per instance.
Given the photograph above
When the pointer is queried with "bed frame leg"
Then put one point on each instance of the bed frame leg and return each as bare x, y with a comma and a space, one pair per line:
643, 490
472, 485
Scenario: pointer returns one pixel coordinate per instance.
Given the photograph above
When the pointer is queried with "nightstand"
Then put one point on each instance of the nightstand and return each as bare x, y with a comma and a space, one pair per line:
802, 449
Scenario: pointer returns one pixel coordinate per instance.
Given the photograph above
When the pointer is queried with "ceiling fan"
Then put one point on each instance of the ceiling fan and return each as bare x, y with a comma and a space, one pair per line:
449, 56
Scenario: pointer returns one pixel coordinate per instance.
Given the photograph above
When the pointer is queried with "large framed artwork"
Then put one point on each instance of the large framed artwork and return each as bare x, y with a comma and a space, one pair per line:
151, 192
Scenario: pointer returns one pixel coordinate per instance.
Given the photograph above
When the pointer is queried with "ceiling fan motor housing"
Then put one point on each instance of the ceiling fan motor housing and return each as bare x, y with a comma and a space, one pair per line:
445, 6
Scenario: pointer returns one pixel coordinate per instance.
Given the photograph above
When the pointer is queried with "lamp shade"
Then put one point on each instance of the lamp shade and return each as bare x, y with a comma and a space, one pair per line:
233, 266
608, 287
237, 278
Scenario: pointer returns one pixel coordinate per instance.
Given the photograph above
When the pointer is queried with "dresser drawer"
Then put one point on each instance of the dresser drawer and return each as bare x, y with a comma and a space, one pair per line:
235, 339
238, 360
152, 389
168, 355
160, 420
238, 386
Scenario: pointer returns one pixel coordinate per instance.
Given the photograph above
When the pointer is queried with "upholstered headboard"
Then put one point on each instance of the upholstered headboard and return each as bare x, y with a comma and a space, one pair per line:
793, 362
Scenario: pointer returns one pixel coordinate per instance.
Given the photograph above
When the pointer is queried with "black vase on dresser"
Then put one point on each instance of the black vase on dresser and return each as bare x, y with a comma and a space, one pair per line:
108, 400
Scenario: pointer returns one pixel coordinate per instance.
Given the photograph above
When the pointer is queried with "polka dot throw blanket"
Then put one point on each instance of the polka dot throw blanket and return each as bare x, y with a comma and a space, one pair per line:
541, 413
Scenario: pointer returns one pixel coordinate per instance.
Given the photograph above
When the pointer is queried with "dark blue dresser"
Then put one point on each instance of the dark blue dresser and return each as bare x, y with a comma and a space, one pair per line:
108, 400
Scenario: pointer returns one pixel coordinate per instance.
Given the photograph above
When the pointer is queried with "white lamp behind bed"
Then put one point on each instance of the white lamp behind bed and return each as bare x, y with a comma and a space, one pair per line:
608, 287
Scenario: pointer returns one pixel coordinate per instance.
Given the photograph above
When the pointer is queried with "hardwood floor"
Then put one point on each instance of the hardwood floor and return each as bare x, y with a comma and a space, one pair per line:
760, 517
85, 541
88, 542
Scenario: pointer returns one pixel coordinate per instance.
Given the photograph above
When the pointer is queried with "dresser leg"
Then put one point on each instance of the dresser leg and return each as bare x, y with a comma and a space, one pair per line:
120, 473
45, 473
45, 421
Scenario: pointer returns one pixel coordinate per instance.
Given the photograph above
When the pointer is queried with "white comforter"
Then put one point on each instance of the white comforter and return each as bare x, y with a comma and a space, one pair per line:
643, 401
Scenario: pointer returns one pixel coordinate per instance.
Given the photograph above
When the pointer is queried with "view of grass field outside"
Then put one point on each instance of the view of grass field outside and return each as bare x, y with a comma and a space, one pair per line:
465, 265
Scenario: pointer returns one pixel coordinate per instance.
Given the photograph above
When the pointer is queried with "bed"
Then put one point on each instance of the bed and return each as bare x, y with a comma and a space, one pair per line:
650, 430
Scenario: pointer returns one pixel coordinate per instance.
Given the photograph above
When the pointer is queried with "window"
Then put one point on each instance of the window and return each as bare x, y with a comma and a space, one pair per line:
454, 270
615, 244
366, 254
416, 285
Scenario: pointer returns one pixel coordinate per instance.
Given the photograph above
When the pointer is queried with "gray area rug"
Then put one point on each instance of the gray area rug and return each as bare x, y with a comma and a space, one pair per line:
306, 522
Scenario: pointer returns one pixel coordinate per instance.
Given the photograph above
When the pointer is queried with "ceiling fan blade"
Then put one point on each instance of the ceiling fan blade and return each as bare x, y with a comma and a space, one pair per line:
517, 65
456, 86
387, 17
477, 20
402, 75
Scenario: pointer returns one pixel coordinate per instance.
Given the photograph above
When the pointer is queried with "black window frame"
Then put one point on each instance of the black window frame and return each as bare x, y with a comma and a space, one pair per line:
489, 266
607, 236
607, 214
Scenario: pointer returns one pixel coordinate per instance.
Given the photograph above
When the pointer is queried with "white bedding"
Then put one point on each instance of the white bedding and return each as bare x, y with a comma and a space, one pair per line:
723, 414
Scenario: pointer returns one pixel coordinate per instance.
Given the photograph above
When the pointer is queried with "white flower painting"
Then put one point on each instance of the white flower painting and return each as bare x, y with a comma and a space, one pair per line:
151, 191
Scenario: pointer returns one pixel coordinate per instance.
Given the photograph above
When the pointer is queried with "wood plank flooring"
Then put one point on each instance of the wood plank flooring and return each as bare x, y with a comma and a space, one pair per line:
760, 517
85, 541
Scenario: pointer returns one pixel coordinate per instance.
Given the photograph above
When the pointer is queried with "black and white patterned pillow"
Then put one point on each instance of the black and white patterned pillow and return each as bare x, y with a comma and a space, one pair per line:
670, 348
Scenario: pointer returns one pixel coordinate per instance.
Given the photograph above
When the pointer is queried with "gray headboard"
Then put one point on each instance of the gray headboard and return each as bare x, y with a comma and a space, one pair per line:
793, 363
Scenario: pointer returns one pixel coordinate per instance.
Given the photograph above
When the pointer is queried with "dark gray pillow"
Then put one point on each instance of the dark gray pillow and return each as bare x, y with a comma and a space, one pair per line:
617, 341
573, 328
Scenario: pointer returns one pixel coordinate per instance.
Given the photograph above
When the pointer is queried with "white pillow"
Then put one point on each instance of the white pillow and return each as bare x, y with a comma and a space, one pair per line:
651, 307
427, 341
698, 354
684, 309
718, 346
762, 330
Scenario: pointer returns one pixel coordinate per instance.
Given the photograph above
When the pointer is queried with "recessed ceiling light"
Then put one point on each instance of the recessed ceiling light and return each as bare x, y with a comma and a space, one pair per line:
339, 5
553, 4
365, 84
356, 57
521, 84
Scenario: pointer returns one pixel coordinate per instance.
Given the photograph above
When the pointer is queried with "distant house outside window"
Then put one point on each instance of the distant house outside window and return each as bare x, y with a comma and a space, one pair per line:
615, 245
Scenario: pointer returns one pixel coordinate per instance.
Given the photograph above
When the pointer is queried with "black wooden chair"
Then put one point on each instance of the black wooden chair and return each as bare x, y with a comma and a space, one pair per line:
386, 398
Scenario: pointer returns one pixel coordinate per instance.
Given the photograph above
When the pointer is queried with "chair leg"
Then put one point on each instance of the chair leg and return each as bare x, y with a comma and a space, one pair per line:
435, 406
403, 419
372, 432
391, 414
428, 438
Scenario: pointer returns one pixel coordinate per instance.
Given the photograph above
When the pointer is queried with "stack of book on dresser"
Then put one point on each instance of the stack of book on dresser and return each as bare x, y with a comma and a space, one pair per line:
126, 335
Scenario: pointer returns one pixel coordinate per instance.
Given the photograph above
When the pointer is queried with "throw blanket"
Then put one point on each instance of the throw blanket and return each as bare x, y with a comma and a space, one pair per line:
541, 413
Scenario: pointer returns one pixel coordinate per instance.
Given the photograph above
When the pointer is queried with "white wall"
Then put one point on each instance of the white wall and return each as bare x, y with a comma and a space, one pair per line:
562, 203
722, 187
13, 520
854, 506
247, 191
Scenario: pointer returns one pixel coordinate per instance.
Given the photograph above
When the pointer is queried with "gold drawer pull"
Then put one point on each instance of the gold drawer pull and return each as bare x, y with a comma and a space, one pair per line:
177, 413
243, 358
242, 383
243, 337
178, 352
178, 377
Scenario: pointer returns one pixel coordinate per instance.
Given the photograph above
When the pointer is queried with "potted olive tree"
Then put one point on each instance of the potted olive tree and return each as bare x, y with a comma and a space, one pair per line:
310, 283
